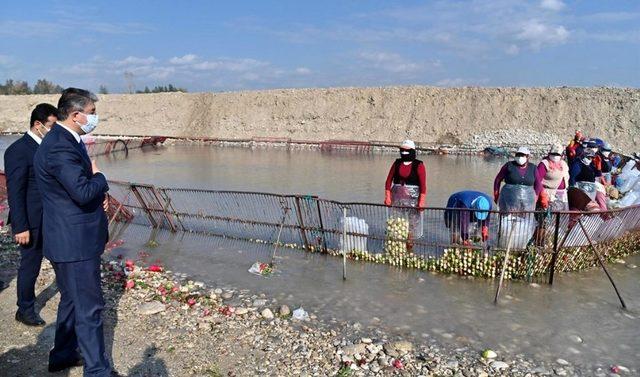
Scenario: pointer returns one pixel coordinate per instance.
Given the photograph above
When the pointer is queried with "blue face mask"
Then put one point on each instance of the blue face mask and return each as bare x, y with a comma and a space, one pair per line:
92, 123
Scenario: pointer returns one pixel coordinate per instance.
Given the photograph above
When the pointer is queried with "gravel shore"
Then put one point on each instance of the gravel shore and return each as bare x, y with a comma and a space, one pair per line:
159, 323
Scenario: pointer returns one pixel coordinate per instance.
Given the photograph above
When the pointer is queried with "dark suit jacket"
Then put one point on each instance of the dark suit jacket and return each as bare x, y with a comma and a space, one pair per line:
74, 224
25, 203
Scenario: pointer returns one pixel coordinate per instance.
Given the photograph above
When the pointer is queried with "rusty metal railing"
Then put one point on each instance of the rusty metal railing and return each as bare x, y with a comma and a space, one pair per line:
103, 146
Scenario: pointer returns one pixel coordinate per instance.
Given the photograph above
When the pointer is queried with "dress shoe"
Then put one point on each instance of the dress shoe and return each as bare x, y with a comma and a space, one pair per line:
116, 374
31, 319
3, 285
57, 367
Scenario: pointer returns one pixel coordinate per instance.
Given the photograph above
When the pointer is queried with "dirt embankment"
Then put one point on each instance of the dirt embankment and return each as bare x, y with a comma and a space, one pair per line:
478, 116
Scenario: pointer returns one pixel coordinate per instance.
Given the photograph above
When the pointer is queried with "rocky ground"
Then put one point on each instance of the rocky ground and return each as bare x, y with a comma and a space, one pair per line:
159, 323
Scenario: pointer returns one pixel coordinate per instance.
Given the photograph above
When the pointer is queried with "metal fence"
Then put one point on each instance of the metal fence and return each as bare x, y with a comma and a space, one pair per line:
109, 145
432, 238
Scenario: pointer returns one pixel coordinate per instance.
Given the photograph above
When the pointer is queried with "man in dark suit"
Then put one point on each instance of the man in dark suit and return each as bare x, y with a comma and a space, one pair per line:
75, 232
25, 203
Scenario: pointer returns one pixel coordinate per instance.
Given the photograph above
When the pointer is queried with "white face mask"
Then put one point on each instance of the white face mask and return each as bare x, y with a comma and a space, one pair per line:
586, 161
92, 123
521, 160
554, 158
41, 133
606, 154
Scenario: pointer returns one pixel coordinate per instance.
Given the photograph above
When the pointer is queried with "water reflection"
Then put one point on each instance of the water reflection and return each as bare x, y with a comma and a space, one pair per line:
342, 176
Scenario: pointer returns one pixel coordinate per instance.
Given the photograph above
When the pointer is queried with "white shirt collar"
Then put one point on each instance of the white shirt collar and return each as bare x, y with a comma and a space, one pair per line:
35, 137
74, 133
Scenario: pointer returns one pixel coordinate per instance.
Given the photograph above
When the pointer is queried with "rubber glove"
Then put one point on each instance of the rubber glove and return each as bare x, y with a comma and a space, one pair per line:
544, 200
387, 197
422, 201
485, 233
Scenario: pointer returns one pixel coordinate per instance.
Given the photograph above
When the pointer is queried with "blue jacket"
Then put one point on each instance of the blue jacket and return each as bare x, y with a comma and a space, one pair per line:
74, 224
460, 220
579, 172
463, 199
25, 203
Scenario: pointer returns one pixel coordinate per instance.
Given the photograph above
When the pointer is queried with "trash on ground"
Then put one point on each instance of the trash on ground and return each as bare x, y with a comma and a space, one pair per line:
261, 269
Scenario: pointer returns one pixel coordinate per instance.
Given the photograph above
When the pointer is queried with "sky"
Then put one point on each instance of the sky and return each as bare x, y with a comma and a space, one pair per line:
245, 45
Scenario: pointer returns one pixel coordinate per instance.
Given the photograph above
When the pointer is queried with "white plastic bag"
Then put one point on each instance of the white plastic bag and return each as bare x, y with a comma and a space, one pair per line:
627, 180
523, 231
629, 199
628, 166
353, 242
300, 314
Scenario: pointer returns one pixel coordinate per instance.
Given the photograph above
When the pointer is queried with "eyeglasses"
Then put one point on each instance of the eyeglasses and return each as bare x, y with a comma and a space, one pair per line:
555, 154
521, 155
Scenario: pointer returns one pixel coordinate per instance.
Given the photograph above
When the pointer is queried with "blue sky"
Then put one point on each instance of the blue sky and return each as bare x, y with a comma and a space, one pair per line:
222, 46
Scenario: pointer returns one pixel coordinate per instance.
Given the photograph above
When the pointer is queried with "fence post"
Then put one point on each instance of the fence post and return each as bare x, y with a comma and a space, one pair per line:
324, 241
164, 208
144, 206
554, 257
303, 231
167, 199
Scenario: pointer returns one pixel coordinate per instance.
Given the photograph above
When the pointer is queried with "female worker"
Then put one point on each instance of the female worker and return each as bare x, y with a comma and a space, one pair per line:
574, 146
603, 163
406, 185
583, 175
522, 184
465, 208
554, 173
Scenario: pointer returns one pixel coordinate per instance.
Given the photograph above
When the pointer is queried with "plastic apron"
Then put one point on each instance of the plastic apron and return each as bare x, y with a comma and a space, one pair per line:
407, 196
517, 198
561, 201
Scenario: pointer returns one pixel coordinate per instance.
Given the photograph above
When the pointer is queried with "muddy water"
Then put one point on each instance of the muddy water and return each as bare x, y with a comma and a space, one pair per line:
577, 319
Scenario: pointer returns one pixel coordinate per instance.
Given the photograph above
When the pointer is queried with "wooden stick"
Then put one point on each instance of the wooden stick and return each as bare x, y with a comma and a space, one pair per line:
504, 265
275, 248
624, 306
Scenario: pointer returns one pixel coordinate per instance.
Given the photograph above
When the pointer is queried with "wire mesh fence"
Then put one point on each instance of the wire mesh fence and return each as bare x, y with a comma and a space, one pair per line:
436, 239
439, 239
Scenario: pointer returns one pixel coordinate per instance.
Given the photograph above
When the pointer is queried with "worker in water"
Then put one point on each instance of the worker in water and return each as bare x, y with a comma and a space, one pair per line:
406, 185
583, 175
554, 173
591, 145
574, 145
465, 208
583, 170
604, 164
522, 184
